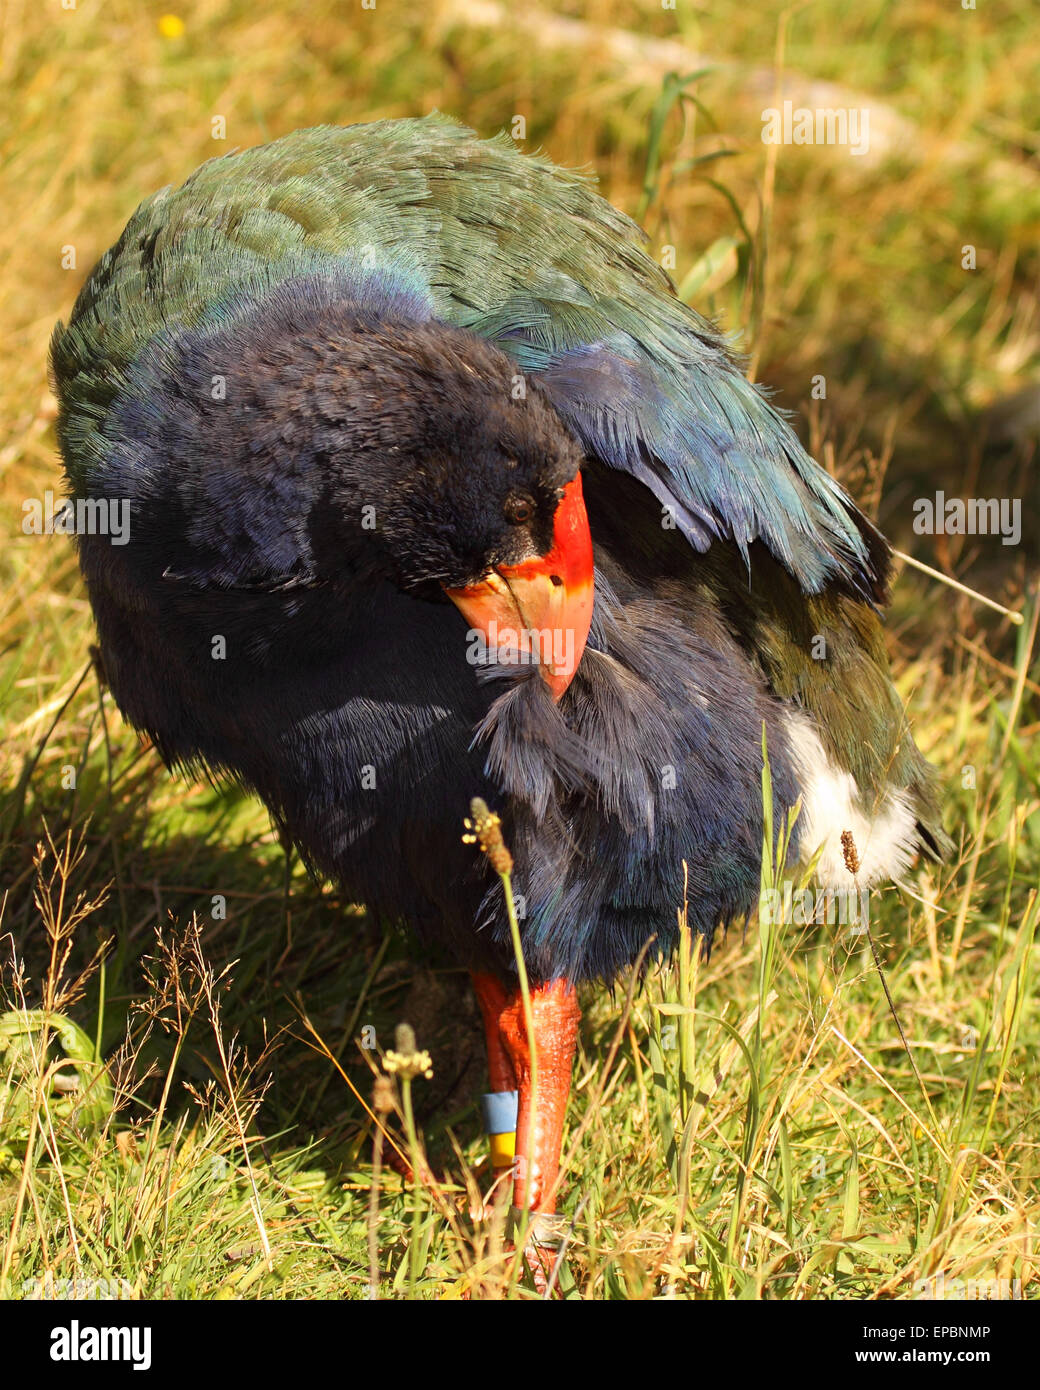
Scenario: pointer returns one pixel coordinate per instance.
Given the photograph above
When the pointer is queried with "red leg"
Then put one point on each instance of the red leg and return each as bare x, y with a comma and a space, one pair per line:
556, 1014
492, 998
541, 1110
539, 1132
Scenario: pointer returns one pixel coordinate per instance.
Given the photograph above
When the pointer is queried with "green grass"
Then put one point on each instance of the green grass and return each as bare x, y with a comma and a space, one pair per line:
184, 1104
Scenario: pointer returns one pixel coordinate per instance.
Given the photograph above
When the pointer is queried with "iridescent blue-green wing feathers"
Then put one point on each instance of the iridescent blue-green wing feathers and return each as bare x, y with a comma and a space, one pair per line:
509, 245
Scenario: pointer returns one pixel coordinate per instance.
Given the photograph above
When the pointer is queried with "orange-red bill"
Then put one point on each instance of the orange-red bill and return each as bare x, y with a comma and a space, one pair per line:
539, 612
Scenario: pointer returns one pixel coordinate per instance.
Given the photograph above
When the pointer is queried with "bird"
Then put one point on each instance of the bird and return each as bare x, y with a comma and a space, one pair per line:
436, 489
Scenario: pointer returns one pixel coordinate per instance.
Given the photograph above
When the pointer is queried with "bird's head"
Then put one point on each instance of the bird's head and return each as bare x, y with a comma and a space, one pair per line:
471, 484
350, 444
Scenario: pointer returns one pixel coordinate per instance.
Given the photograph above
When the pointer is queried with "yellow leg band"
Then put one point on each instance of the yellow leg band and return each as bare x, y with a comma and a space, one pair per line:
503, 1149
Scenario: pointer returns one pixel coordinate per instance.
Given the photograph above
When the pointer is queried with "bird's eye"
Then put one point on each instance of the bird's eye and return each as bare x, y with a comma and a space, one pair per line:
519, 510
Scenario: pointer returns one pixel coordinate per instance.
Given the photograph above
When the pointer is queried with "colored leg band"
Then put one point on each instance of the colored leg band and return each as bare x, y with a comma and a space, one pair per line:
503, 1149
498, 1110
544, 1228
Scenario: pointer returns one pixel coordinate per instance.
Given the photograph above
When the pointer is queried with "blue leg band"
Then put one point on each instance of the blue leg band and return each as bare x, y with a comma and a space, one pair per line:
498, 1110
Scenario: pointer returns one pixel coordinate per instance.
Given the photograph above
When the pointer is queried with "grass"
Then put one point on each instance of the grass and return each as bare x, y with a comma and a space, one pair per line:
185, 1109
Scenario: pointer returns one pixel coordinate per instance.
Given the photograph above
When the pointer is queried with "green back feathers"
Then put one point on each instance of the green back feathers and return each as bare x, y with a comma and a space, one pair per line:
468, 218
510, 246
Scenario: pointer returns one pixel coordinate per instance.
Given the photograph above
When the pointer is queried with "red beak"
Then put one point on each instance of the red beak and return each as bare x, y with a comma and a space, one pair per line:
539, 612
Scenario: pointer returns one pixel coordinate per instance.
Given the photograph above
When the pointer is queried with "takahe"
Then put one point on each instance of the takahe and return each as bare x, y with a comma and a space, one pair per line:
437, 490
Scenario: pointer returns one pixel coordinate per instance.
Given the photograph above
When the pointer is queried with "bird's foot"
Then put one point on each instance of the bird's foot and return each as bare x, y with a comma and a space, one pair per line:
545, 1233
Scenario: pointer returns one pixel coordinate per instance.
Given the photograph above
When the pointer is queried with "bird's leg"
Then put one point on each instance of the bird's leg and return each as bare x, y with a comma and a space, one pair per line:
540, 1117
542, 1110
542, 1107
493, 998
555, 1011
499, 1106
